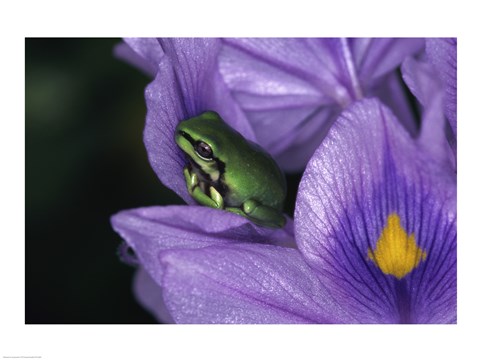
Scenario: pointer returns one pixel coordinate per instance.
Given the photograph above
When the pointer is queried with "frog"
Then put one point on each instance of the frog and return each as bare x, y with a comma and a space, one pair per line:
226, 171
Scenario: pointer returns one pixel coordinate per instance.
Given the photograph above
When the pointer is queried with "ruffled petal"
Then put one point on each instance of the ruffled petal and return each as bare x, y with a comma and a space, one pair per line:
376, 218
148, 231
245, 283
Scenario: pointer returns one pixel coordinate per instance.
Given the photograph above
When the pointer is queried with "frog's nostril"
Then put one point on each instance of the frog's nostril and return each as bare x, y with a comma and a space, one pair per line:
186, 136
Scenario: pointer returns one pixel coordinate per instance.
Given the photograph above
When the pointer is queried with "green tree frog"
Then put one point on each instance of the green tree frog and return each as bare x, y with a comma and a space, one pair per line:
226, 171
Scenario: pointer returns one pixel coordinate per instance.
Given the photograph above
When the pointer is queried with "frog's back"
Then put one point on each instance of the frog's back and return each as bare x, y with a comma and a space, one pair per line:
262, 179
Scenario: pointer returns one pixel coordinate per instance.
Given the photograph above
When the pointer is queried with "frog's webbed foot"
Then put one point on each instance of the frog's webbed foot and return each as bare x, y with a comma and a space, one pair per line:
236, 211
260, 214
215, 200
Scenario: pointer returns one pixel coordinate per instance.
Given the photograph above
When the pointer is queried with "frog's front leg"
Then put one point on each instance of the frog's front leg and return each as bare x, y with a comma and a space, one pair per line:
263, 214
215, 200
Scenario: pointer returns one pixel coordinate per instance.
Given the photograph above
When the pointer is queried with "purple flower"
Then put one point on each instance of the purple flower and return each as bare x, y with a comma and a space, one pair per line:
375, 225
374, 233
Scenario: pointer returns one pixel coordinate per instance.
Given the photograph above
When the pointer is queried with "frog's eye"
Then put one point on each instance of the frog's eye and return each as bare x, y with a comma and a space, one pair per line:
204, 150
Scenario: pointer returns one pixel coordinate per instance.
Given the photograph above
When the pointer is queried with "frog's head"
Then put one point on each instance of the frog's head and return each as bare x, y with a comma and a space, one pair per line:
201, 139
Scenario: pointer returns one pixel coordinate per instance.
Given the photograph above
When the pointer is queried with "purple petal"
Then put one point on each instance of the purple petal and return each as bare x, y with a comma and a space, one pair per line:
164, 110
260, 81
442, 53
391, 92
423, 83
143, 53
421, 80
124, 52
148, 231
245, 283
149, 295
369, 173
194, 63
195, 226
306, 137
292, 89
375, 57
309, 68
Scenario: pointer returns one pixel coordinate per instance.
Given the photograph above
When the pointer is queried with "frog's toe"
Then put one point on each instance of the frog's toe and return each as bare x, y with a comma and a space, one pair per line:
191, 179
249, 206
263, 215
216, 197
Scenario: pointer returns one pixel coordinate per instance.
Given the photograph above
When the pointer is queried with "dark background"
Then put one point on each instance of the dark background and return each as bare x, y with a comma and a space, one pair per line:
85, 160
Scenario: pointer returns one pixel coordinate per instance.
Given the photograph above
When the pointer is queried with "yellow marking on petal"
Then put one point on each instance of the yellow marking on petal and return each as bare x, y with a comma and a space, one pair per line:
396, 253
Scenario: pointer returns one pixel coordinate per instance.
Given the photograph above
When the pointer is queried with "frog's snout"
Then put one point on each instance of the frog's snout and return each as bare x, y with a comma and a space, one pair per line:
180, 134
183, 136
